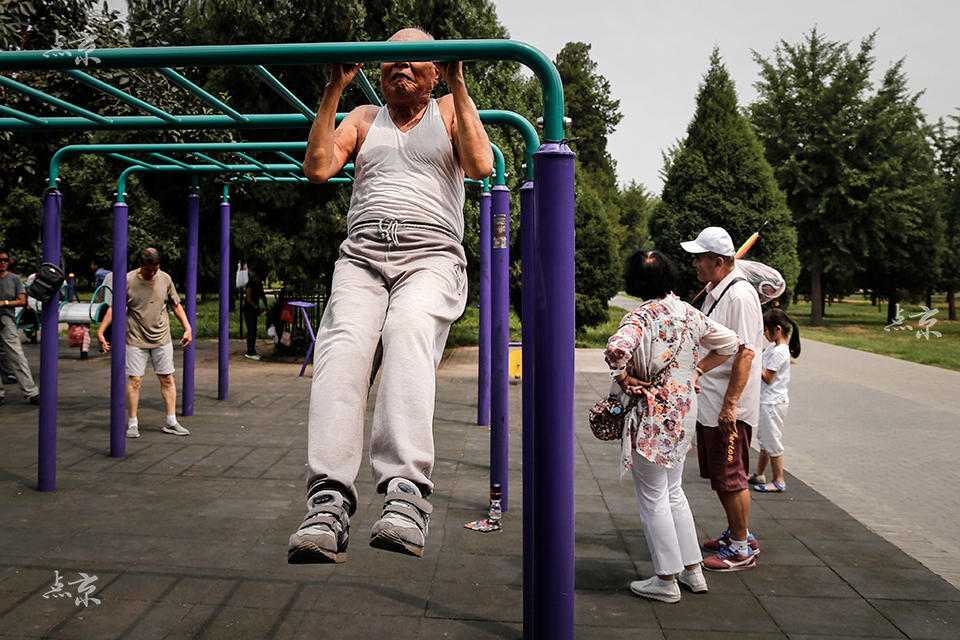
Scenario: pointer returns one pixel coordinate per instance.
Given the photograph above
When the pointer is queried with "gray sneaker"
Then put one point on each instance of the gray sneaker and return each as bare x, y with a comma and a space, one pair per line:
404, 522
133, 431
325, 532
176, 429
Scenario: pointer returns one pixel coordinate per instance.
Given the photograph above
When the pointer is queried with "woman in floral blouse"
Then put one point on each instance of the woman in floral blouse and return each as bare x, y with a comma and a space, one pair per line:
657, 354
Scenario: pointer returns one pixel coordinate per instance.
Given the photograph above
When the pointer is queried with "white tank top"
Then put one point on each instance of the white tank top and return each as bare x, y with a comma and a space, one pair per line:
412, 176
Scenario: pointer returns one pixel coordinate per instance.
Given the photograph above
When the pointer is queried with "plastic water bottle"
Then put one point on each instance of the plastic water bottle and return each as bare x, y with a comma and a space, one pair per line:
496, 511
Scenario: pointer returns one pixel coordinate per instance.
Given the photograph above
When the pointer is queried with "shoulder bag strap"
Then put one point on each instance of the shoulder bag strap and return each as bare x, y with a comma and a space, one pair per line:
714, 305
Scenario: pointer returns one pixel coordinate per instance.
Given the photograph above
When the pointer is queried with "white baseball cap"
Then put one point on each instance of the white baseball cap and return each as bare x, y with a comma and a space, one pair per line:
713, 239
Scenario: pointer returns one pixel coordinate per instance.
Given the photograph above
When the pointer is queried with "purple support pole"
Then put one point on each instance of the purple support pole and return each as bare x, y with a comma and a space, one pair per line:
223, 385
553, 489
47, 435
527, 235
72, 281
499, 339
193, 250
118, 334
483, 360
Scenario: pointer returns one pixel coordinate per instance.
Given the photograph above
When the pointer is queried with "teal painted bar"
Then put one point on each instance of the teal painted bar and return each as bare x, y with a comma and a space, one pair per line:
499, 168
57, 102
281, 89
128, 159
213, 161
324, 53
96, 83
250, 159
512, 119
201, 93
368, 89
26, 117
123, 123
174, 161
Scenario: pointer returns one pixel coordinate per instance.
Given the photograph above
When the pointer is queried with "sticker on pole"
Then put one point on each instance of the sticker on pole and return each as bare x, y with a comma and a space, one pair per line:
500, 231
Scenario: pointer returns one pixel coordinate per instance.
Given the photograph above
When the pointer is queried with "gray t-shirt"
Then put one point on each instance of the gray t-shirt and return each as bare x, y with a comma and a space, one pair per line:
148, 325
11, 286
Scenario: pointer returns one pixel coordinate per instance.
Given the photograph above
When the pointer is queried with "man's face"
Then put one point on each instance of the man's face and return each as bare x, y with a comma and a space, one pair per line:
4, 262
148, 272
407, 81
707, 266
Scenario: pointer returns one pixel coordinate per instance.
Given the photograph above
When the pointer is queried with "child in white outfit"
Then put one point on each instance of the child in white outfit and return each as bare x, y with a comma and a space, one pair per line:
784, 335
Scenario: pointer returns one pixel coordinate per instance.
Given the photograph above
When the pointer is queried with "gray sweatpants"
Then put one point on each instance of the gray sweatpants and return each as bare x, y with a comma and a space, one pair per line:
405, 289
14, 358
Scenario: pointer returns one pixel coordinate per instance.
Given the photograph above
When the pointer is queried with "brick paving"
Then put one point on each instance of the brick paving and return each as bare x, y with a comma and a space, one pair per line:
187, 536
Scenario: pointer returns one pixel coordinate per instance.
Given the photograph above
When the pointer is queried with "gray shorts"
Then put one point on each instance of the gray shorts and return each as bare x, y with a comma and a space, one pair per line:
161, 357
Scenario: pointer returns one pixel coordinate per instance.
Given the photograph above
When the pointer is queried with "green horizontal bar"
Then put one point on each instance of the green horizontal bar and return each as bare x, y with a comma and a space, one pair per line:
20, 115
46, 97
281, 89
121, 123
201, 168
201, 93
318, 53
287, 156
499, 169
96, 83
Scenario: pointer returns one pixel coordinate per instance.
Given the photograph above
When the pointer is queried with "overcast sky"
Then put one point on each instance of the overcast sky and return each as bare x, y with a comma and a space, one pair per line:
654, 53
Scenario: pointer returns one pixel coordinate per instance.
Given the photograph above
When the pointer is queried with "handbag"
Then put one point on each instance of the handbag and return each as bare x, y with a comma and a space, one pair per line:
607, 416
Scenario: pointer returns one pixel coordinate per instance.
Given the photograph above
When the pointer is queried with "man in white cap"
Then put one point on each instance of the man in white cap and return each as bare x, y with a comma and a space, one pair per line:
729, 404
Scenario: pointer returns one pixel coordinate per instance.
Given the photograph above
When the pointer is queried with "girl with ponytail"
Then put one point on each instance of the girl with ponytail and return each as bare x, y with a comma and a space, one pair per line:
784, 337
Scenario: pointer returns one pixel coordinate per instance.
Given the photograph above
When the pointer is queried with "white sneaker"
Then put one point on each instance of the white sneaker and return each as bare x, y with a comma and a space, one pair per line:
176, 429
664, 593
133, 431
693, 579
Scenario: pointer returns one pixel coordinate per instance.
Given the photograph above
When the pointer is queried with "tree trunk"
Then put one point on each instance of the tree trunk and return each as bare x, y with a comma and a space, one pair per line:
951, 304
930, 298
816, 290
892, 303
874, 300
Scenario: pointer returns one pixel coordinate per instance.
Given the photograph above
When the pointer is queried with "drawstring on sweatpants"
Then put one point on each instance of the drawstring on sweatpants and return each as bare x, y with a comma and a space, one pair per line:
389, 228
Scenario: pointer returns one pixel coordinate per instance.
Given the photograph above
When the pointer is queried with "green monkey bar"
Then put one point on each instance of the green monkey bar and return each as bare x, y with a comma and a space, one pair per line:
254, 57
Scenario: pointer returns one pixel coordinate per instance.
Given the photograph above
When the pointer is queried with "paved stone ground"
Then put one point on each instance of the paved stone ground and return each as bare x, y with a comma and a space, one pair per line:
187, 536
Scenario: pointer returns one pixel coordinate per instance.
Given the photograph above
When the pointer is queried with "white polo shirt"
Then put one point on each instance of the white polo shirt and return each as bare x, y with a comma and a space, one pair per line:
738, 310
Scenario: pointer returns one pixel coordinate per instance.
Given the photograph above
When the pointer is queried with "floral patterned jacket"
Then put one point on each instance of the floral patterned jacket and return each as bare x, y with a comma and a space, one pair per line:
645, 343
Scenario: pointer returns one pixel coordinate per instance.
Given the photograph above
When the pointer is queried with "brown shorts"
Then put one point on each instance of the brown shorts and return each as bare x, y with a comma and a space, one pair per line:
726, 464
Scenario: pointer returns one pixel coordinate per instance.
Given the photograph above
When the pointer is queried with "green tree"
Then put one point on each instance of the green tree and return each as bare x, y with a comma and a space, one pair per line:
902, 194
636, 204
718, 176
948, 167
808, 116
597, 270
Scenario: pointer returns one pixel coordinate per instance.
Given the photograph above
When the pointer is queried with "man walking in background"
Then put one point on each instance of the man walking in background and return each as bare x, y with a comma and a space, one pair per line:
149, 292
13, 295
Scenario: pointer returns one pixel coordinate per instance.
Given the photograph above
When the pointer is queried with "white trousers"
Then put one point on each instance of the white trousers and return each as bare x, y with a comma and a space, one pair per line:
667, 520
405, 289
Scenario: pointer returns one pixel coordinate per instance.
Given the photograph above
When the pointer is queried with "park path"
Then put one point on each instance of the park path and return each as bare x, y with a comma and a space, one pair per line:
877, 437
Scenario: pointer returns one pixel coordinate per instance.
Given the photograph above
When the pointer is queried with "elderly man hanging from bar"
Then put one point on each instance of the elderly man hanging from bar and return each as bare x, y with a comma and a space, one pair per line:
400, 279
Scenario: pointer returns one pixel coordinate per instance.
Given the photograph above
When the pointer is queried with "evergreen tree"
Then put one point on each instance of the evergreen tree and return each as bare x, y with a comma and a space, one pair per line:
718, 177
948, 168
808, 116
636, 204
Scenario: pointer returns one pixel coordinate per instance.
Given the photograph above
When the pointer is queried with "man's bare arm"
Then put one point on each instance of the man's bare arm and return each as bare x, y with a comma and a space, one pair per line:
739, 375
469, 136
181, 315
101, 332
328, 146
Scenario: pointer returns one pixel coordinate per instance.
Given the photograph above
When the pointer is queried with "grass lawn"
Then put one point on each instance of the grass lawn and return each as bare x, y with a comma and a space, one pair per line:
857, 324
